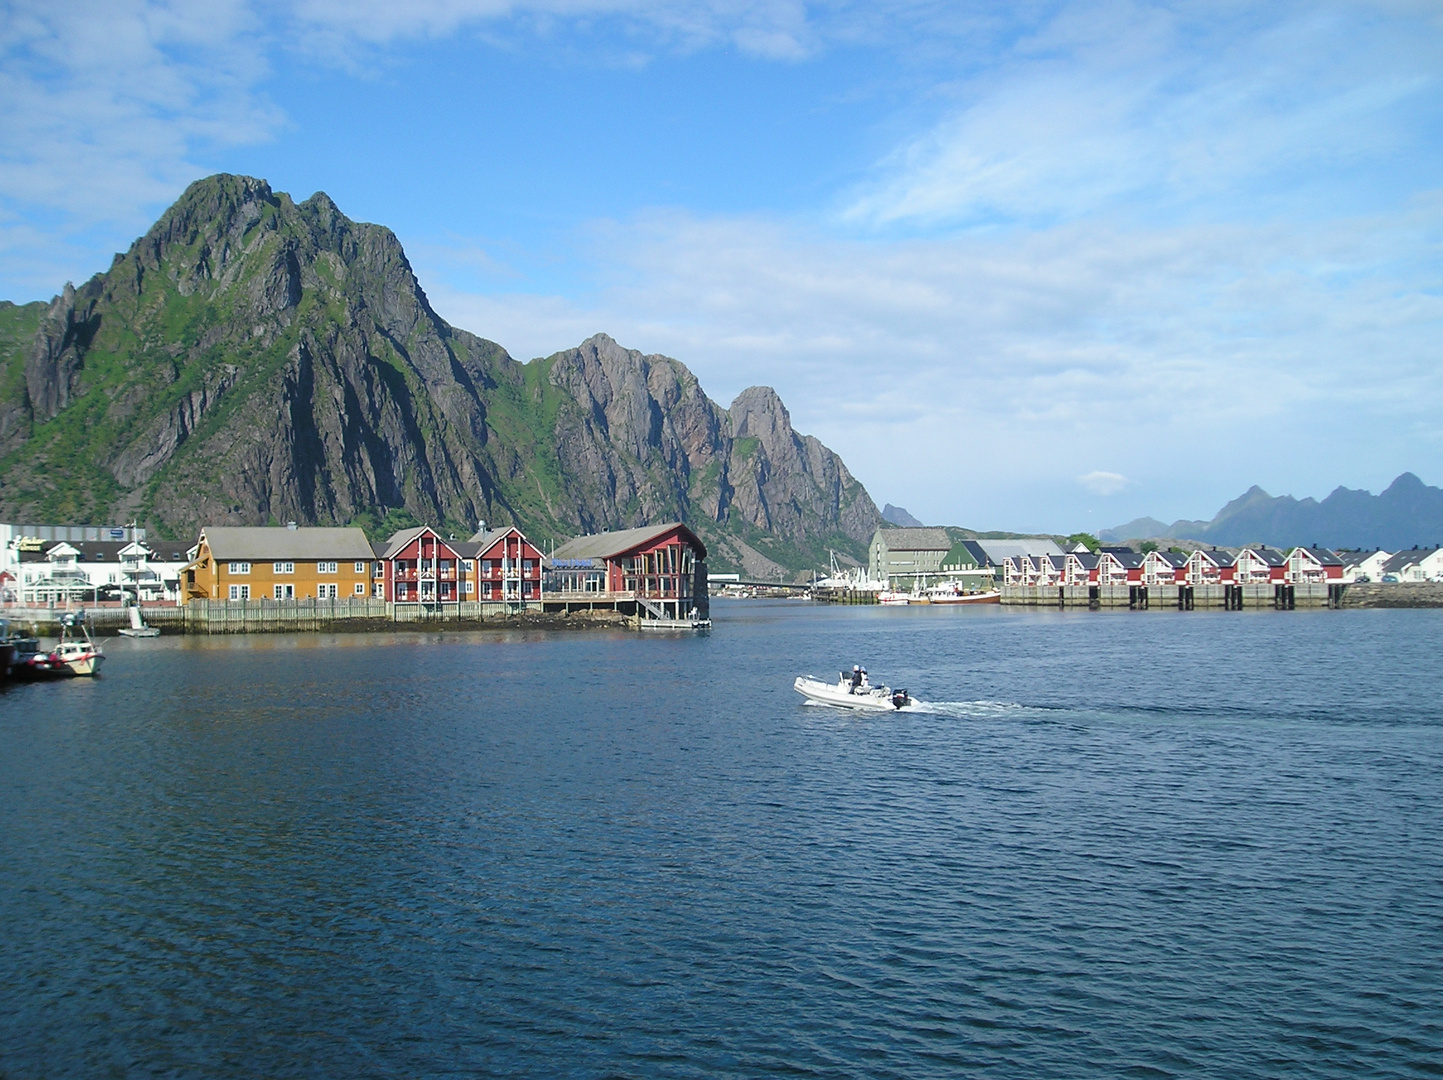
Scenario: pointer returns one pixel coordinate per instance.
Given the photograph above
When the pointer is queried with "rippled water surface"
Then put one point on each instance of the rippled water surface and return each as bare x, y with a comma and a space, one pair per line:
1201, 844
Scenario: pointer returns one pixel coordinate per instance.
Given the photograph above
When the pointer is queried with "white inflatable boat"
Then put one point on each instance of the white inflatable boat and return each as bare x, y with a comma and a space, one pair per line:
867, 698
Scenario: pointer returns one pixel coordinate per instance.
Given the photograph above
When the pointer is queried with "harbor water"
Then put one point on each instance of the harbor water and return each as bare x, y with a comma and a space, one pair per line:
1195, 844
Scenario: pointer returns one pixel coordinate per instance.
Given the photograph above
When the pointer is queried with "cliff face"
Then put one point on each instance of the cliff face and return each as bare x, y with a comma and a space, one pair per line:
252, 359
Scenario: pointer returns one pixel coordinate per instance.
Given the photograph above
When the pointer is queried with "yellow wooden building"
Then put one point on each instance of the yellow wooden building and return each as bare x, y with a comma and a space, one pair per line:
279, 563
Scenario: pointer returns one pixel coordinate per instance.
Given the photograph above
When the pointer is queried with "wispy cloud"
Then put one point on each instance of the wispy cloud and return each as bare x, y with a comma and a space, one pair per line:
1103, 483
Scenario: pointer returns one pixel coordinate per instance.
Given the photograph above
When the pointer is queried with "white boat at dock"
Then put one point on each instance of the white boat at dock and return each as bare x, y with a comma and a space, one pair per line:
843, 695
76, 654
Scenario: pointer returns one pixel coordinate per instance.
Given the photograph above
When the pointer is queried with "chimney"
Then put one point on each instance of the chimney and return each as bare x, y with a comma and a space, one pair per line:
291, 525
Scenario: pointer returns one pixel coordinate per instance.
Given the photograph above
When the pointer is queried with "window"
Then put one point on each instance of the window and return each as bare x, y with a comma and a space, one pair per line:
379, 591
526, 565
238, 567
284, 568
468, 564
327, 592
486, 590
486, 566
360, 568
470, 587
526, 588
240, 592
325, 568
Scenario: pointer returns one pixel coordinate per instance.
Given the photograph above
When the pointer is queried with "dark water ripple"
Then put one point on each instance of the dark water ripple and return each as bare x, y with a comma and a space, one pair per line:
1150, 846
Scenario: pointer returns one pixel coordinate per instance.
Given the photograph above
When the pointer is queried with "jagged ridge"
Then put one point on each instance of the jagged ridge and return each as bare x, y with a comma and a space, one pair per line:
253, 359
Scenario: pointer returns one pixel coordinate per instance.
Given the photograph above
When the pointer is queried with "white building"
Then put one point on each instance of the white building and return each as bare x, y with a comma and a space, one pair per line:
1419, 564
79, 571
1364, 565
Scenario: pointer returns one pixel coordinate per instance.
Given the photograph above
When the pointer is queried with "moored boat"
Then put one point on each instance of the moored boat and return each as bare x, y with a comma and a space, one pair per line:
76, 654
951, 596
893, 598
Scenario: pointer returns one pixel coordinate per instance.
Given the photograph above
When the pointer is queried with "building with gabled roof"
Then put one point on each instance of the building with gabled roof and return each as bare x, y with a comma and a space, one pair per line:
1418, 564
661, 569
1215, 566
1260, 565
1364, 565
1164, 568
278, 563
1313, 564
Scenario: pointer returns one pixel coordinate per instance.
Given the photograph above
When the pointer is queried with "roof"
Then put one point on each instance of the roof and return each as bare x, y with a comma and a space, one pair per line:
259, 543
914, 539
1172, 558
485, 541
1088, 559
1218, 556
1323, 555
980, 555
998, 550
1404, 559
1271, 556
1129, 559
400, 539
609, 545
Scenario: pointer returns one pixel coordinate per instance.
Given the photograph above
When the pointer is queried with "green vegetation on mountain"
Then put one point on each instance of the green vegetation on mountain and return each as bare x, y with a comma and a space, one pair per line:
252, 359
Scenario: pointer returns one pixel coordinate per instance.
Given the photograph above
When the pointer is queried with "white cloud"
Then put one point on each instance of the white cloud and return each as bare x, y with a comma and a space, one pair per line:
970, 374
1103, 483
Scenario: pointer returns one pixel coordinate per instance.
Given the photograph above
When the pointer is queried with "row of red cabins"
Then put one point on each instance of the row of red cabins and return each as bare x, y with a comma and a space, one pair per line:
663, 567
1121, 566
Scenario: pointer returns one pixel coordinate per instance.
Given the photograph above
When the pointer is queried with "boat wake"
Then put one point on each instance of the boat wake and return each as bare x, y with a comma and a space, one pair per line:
970, 710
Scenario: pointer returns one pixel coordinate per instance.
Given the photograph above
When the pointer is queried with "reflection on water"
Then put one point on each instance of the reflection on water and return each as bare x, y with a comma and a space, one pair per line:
1165, 844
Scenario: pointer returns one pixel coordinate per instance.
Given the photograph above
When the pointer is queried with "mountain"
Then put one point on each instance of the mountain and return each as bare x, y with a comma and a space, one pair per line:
895, 515
252, 359
1408, 512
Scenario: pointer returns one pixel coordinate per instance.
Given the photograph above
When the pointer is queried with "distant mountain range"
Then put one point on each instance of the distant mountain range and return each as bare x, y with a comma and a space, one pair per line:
1409, 512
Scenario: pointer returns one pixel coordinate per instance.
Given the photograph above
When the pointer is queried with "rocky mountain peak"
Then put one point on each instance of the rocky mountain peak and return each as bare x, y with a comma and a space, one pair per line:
253, 359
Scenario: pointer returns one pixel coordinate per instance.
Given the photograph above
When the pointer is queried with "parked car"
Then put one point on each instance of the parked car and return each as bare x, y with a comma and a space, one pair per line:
1391, 579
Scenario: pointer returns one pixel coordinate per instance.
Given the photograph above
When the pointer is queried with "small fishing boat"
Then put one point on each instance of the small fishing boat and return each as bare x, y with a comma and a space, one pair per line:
843, 695
138, 626
944, 595
893, 598
76, 654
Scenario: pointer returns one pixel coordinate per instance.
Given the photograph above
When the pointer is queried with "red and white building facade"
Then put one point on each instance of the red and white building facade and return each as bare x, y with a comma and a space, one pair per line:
419, 566
662, 568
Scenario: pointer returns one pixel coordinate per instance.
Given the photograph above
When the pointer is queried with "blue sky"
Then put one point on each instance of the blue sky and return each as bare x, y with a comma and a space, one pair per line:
1025, 265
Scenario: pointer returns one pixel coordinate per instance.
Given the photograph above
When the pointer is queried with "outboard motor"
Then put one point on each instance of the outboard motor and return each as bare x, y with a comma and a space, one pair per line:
900, 698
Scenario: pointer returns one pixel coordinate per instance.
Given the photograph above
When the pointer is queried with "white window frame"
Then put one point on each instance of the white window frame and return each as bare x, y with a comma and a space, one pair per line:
238, 568
360, 568
469, 565
470, 587
486, 590
283, 568
486, 566
240, 592
360, 589
379, 590
327, 591
325, 567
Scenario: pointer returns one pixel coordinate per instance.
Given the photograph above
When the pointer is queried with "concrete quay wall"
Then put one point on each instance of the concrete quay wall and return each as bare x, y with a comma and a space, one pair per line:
1402, 594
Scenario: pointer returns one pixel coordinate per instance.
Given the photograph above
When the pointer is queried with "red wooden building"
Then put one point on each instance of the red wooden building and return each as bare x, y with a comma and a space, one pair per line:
660, 570
416, 566
507, 567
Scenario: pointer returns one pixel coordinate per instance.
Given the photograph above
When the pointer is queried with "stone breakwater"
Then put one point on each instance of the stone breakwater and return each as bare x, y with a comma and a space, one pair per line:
1403, 594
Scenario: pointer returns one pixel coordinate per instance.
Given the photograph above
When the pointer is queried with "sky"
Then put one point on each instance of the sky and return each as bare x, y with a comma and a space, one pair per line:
1027, 265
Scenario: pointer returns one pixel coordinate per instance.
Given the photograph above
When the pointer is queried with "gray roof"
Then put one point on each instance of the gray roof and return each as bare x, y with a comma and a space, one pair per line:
1271, 556
1129, 559
1405, 559
999, 550
1173, 559
262, 543
983, 559
1088, 559
1323, 555
1220, 556
914, 539
610, 544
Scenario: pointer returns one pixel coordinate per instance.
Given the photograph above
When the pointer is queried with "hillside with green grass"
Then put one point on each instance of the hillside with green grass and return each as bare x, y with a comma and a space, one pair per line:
252, 359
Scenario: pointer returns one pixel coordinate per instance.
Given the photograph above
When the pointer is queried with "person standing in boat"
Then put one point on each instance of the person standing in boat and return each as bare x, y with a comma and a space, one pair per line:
858, 677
